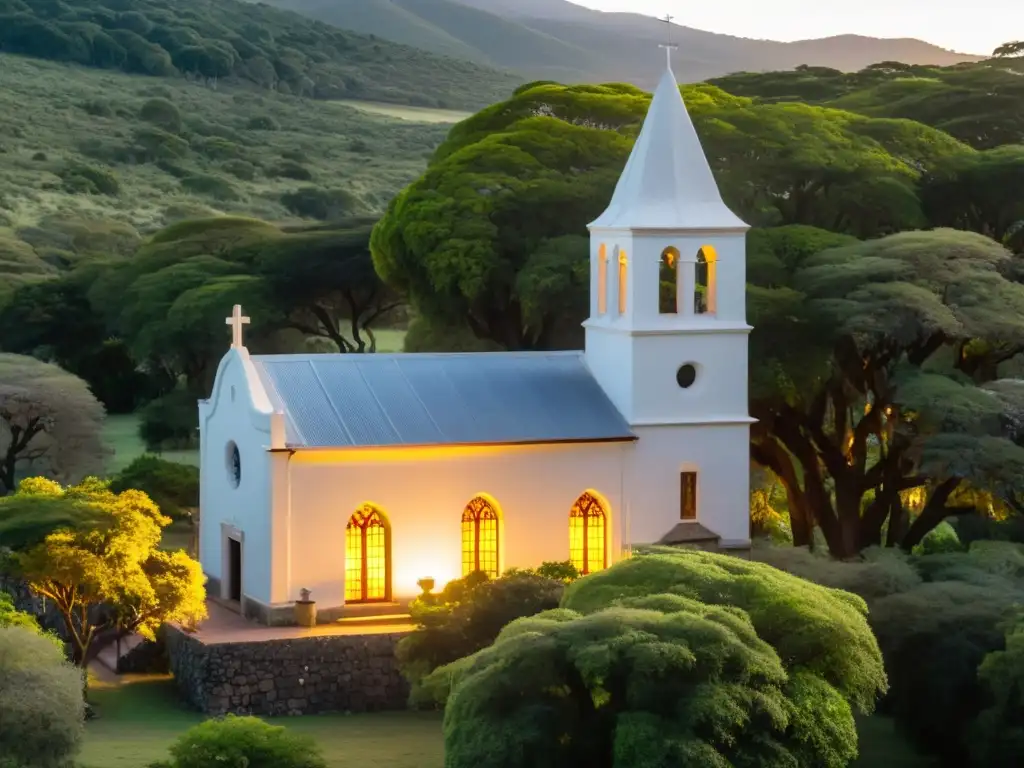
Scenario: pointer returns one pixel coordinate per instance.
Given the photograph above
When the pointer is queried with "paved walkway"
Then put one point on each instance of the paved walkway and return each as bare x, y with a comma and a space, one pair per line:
226, 626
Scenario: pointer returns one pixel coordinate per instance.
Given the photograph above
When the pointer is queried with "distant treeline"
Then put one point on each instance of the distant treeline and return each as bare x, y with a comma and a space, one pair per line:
267, 47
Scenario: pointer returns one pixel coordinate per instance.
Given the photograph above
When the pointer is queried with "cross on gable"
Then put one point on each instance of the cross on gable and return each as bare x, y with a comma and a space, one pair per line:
236, 321
669, 46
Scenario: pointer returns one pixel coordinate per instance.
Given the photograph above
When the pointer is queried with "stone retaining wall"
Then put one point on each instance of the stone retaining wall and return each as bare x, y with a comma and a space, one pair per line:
335, 673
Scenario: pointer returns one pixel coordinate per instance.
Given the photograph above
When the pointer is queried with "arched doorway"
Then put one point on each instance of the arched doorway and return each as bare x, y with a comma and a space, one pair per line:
588, 534
480, 537
367, 556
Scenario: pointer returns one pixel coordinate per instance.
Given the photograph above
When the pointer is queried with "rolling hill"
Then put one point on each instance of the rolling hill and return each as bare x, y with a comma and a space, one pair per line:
555, 39
216, 40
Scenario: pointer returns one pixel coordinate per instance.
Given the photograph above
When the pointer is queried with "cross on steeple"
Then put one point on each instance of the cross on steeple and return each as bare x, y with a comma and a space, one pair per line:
669, 46
236, 321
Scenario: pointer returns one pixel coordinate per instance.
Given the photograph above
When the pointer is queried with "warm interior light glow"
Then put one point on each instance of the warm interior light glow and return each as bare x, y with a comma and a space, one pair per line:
588, 543
480, 537
602, 279
367, 553
623, 281
706, 296
419, 454
668, 282
409, 570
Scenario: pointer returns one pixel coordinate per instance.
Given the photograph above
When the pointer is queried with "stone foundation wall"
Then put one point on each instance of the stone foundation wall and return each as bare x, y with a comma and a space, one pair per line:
339, 673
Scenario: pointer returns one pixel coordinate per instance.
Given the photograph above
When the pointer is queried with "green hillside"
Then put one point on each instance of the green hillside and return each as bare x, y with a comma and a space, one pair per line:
980, 104
89, 160
226, 39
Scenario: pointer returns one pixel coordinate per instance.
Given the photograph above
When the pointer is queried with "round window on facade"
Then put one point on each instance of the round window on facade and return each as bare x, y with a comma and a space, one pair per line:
234, 461
686, 375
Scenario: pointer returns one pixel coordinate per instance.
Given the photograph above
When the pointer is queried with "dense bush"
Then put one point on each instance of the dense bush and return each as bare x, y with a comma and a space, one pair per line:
323, 204
163, 114
467, 616
237, 742
207, 184
997, 738
936, 615
41, 705
670, 657
172, 486
290, 170
241, 169
90, 180
170, 422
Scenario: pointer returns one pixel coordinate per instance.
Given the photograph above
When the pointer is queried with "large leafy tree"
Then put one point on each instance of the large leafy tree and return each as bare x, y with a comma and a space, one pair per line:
979, 191
104, 569
492, 237
670, 658
878, 374
49, 421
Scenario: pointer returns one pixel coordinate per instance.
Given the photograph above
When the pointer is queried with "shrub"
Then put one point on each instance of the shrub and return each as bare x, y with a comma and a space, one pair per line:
934, 637
170, 422
41, 701
291, 170
217, 148
244, 741
940, 539
317, 203
878, 573
262, 123
90, 180
467, 616
997, 736
241, 169
172, 486
155, 144
211, 186
671, 657
162, 114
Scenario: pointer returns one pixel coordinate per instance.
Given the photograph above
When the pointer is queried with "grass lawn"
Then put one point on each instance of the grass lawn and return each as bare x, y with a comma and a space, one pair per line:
138, 720
121, 434
410, 114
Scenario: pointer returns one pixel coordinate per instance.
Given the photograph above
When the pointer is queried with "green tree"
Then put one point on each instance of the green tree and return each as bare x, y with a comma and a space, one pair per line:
41, 700
998, 735
49, 420
492, 236
979, 191
110, 572
1015, 48
877, 375
669, 658
323, 282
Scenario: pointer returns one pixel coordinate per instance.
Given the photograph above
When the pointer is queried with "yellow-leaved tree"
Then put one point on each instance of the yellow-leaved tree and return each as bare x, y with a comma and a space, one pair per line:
101, 565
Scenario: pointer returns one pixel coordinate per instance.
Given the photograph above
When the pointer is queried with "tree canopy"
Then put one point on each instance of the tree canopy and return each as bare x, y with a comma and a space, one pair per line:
49, 421
667, 658
492, 236
101, 565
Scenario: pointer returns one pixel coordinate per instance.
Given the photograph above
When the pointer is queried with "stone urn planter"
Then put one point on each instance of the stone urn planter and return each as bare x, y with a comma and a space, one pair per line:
305, 610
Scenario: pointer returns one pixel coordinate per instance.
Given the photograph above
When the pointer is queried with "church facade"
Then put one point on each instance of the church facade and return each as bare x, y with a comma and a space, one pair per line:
356, 477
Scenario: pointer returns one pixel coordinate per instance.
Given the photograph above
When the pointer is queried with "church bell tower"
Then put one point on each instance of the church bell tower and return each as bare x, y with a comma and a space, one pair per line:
667, 333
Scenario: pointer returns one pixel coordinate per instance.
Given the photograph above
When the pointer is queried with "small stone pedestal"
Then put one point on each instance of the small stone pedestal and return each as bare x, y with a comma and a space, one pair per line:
305, 610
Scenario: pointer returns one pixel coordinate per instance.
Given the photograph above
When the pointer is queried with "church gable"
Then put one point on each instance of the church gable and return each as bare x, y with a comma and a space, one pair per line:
449, 399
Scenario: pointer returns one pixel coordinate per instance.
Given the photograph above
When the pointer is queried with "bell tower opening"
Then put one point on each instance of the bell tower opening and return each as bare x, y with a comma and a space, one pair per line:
668, 282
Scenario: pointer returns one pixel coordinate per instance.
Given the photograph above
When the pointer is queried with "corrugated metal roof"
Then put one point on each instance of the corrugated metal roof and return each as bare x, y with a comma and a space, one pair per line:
443, 399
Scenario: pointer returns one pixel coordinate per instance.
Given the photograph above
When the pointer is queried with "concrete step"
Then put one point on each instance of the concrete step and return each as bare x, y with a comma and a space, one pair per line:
379, 620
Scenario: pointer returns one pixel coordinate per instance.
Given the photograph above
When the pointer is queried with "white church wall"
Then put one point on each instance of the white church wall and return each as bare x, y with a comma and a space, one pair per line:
423, 493
230, 416
720, 456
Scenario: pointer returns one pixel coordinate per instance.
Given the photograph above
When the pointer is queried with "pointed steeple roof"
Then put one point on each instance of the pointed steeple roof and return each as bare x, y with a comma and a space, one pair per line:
667, 182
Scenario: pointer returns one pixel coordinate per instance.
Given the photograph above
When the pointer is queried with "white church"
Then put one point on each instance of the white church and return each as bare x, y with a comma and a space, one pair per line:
357, 476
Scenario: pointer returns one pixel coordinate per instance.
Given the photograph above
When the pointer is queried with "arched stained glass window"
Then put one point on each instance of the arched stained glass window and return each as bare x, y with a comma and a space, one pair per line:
367, 557
480, 538
588, 542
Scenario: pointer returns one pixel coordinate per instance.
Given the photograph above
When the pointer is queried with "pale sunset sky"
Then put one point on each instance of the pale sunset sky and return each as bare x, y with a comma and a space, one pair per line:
967, 26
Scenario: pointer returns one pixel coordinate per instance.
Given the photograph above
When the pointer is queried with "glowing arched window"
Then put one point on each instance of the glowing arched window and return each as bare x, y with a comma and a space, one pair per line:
705, 299
668, 285
588, 544
480, 538
367, 556
602, 279
623, 281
